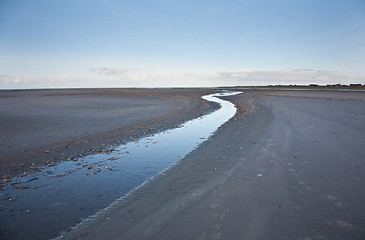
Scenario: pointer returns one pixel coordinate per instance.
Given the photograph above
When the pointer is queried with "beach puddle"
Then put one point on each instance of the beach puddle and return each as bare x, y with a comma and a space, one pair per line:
41, 205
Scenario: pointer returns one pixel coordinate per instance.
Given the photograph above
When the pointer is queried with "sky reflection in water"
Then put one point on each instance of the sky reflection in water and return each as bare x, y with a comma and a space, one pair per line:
60, 196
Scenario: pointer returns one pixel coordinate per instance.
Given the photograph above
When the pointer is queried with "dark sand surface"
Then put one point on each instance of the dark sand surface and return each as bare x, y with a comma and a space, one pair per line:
39, 127
289, 165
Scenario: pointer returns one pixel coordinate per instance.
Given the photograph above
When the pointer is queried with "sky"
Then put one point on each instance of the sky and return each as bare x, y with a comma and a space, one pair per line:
144, 43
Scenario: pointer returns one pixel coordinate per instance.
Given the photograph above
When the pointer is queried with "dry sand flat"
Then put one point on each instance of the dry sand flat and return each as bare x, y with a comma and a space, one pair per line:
284, 168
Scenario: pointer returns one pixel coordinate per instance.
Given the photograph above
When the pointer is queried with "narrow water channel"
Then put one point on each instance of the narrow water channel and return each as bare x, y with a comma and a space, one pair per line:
41, 205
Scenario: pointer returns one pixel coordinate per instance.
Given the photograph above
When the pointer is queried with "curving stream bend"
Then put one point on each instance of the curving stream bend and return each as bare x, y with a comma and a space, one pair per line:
43, 204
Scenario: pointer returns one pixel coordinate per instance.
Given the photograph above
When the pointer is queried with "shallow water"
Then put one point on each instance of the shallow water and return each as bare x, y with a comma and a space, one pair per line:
39, 206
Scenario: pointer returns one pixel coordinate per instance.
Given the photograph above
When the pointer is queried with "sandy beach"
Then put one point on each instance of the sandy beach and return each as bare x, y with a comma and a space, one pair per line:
288, 165
41, 127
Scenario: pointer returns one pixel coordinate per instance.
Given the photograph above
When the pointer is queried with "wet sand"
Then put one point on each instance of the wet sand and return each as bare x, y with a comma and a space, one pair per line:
44, 127
289, 165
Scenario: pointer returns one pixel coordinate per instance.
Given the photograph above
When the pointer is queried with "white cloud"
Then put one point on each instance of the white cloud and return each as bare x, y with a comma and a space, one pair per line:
19, 82
108, 71
136, 77
9, 79
296, 76
123, 78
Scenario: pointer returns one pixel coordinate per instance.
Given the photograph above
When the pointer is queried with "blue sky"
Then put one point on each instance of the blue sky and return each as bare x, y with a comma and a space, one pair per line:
87, 43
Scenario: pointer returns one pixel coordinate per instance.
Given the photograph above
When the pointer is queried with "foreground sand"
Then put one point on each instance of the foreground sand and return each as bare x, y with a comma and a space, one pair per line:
287, 166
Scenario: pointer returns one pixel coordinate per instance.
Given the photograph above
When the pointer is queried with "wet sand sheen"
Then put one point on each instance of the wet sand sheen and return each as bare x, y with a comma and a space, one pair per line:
59, 195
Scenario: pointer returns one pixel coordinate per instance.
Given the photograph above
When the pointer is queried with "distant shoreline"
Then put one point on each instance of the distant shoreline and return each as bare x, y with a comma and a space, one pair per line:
310, 87
275, 87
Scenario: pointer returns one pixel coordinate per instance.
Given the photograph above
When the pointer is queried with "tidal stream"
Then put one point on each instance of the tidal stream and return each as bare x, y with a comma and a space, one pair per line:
41, 205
